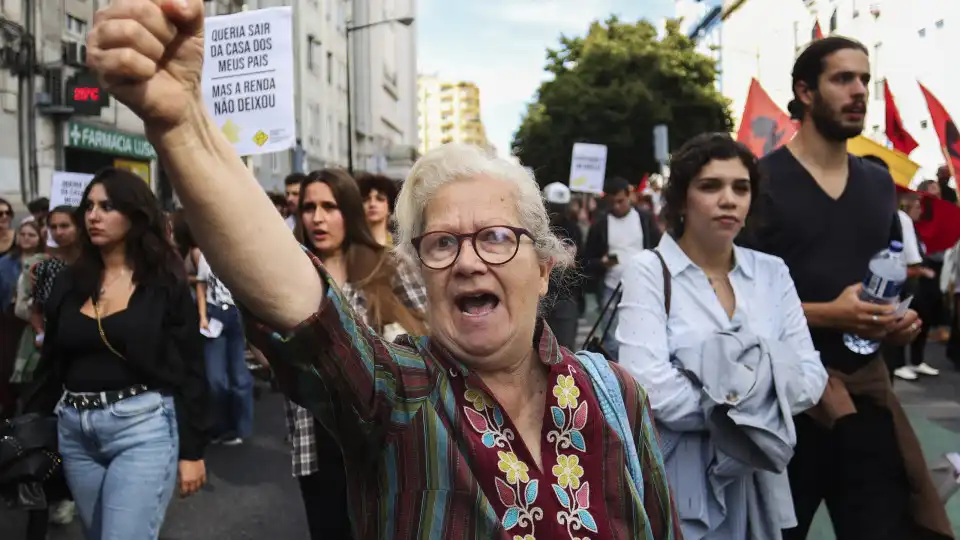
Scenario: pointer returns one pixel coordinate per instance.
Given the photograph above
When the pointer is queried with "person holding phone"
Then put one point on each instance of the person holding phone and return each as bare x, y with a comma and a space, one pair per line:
615, 237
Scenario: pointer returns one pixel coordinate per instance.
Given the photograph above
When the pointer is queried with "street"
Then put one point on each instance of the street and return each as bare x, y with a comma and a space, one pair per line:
251, 494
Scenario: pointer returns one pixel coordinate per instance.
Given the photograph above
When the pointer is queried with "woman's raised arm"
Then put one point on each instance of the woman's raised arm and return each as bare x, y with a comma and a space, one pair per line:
149, 55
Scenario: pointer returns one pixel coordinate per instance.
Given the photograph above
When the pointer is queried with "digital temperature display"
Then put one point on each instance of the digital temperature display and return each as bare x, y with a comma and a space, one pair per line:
84, 95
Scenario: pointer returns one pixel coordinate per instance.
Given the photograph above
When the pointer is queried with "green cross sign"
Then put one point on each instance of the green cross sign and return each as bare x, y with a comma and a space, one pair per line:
109, 141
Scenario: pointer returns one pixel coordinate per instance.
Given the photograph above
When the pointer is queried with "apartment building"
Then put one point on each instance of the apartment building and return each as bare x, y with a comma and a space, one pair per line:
908, 42
41, 51
382, 64
449, 112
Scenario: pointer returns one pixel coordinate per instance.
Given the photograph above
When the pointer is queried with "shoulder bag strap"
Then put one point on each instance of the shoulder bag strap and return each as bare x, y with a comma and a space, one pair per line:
103, 335
666, 282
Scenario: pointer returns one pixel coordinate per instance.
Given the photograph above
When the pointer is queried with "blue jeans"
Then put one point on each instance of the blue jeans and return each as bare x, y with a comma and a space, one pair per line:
121, 465
231, 384
610, 342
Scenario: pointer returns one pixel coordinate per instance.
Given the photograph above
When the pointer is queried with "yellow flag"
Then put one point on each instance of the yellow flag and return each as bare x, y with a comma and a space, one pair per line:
901, 168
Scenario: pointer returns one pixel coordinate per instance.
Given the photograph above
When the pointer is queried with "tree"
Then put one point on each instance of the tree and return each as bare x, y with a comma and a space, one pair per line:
612, 87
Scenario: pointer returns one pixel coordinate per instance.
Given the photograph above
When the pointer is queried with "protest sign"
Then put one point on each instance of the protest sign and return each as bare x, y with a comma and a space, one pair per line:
248, 79
588, 167
66, 188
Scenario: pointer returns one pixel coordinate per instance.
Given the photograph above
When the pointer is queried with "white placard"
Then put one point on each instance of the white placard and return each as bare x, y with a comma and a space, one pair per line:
588, 167
66, 188
248, 78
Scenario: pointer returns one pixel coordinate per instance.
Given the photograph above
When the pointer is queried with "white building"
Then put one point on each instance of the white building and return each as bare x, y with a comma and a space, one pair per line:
907, 41
384, 67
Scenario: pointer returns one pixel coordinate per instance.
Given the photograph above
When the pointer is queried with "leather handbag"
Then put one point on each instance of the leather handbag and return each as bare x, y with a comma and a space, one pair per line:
28, 458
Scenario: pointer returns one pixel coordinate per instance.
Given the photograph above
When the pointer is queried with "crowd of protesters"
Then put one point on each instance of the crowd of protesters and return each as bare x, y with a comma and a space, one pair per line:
424, 338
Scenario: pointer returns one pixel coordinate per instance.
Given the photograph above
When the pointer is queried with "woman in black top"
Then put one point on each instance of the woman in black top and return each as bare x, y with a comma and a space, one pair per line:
122, 347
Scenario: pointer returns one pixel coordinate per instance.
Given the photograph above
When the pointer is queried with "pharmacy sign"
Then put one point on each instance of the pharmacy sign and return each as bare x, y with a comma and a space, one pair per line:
109, 141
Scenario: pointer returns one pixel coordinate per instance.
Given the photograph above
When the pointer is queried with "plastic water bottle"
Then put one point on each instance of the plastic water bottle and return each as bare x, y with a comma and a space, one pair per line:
885, 278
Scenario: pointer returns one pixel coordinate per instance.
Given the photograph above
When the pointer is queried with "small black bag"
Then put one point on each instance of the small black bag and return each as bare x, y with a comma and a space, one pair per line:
28, 458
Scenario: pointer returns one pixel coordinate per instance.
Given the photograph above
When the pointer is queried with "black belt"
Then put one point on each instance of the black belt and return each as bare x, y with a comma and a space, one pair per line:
90, 400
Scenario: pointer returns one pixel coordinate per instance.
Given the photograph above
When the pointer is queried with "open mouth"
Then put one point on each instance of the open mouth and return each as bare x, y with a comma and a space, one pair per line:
477, 305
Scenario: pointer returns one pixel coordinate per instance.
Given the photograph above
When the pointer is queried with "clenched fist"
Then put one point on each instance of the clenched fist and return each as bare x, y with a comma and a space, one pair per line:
149, 56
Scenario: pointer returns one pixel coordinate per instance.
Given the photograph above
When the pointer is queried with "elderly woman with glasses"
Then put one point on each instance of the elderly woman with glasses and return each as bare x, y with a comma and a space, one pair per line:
487, 428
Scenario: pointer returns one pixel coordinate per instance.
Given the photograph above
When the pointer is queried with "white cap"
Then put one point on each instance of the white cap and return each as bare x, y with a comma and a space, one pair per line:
556, 193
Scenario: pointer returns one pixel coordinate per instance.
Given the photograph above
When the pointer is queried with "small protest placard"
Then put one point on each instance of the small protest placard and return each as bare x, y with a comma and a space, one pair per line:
588, 167
66, 188
248, 78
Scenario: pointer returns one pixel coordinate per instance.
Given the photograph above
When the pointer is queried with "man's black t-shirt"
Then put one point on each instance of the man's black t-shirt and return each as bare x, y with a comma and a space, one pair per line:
827, 243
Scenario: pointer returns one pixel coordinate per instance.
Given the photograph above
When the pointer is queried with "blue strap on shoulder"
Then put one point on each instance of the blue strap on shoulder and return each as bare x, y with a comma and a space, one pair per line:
606, 386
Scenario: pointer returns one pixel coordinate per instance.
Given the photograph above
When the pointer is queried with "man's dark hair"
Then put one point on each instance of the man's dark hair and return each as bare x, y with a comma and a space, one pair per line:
811, 63
294, 179
38, 205
876, 160
385, 185
616, 185
687, 162
278, 199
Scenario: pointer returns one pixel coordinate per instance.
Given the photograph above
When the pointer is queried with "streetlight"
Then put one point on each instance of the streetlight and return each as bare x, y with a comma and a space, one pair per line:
406, 21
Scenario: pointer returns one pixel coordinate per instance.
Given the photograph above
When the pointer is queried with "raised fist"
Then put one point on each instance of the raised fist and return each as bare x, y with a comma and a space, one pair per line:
149, 56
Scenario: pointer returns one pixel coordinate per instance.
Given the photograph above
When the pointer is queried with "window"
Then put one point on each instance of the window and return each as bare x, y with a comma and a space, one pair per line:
315, 127
329, 68
923, 124
875, 60
311, 61
856, 12
329, 135
833, 22
878, 93
75, 27
939, 24
922, 32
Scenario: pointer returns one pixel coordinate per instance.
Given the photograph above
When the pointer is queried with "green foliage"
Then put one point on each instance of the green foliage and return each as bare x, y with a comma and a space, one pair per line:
611, 87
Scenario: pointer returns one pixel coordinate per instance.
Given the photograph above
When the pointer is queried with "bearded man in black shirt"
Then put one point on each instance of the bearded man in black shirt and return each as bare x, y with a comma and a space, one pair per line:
826, 213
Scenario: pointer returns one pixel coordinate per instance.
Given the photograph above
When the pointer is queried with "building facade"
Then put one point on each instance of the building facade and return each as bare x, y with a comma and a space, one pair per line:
907, 41
449, 111
383, 65
42, 44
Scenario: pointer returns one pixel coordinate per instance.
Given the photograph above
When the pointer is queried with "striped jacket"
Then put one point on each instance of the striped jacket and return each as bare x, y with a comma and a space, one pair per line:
430, 453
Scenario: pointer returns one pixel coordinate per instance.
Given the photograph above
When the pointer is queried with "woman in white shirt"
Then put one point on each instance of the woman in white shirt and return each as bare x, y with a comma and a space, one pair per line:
714, 286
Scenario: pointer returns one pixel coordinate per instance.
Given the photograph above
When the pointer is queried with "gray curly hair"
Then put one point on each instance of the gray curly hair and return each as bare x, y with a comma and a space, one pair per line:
451, 162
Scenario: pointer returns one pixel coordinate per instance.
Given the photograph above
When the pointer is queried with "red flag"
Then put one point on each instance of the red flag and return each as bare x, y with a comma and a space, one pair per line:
817, 32
643, 183
939, 229
898, 135
764, 127
946, 131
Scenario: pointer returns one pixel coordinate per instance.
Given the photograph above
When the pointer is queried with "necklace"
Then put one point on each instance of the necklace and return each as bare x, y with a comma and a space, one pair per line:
105, 286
